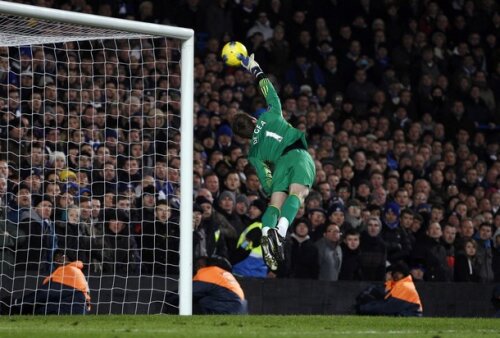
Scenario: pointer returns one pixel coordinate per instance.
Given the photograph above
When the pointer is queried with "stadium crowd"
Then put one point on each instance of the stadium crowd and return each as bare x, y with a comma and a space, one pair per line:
398, 100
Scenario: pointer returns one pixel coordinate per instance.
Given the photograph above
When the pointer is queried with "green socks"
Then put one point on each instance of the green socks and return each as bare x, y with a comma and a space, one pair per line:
288, 213
290, 208
270, 217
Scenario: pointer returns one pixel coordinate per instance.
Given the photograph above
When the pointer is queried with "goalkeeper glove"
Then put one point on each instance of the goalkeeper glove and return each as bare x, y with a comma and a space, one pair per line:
250, 64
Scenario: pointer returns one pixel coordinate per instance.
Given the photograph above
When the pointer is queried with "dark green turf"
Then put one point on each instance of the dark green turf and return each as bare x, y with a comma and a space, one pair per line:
245, 326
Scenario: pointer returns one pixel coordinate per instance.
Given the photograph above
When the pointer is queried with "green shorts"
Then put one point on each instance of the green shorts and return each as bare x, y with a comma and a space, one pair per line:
296, 166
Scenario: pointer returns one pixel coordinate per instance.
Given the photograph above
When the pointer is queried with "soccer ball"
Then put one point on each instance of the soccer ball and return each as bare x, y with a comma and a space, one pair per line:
230, 53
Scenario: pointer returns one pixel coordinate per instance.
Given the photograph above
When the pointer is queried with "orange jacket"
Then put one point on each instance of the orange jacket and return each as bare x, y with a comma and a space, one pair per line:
404, 289
220, 277
71, 275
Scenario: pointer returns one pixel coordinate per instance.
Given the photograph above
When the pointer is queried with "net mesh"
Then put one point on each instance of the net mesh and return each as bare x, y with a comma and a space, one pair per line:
89, 166
26, 31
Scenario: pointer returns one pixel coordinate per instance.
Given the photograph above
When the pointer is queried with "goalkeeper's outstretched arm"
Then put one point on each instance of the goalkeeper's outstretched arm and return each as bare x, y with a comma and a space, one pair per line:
266, 87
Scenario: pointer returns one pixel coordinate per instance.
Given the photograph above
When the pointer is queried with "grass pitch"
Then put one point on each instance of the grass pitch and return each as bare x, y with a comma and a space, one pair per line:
245, 326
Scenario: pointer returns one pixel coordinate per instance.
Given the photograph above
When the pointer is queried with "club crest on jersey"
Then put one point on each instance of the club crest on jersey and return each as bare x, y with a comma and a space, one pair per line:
257, 130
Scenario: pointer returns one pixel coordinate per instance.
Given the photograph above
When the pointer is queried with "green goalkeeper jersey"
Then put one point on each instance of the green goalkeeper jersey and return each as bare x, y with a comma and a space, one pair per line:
271, 136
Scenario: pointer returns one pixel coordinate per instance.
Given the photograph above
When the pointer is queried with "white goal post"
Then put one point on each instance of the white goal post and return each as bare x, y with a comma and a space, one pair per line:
97, 27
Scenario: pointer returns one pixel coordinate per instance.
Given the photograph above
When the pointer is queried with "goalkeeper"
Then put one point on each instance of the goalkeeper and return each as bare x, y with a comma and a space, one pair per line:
285, 169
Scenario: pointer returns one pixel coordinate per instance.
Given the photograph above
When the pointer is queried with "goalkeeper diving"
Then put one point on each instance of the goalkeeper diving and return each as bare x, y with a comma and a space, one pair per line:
285, 169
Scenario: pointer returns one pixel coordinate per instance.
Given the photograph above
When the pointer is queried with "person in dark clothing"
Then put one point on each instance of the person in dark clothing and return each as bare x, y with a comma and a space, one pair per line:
448, 241
301, 255
20, 203
119, 252
211, 231
401, 298
485, 245
226, 204
199, 235
457, 119
467, 264
145, 209
71, 238
350, 256
219, 233
373, 252
40, 242
395, 238
160, 241
477, 110
432, 255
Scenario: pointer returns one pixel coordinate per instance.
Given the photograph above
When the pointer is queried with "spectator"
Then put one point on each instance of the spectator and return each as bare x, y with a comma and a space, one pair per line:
212, 183
36, 224
466, 231
431, 254
304, 71
159, 239
448, 240
146, 204
397, 243
279, 51
485, 245
219, 234
329, 253
70, 237
252, 184
350, 256
373, 251
301, 255
226, 204
336, 214
221, 22
241, 208
20, 203
467, 265
317, 218
262, 25
119, 254
360, 91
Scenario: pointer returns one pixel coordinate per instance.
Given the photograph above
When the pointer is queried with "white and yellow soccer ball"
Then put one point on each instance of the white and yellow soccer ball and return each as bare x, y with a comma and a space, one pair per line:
231, 51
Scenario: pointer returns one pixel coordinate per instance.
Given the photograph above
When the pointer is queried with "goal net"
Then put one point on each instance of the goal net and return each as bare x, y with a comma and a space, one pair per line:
93, 112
